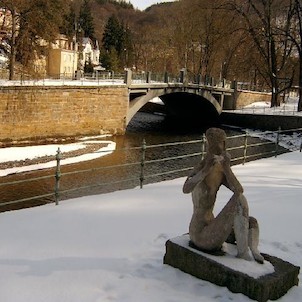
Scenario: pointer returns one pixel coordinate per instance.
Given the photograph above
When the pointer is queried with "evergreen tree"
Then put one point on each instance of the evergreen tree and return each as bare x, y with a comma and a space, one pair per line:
110, 60
88, 67
113, 35
122, 3
86, 20
68, 27
117, 42
127, 55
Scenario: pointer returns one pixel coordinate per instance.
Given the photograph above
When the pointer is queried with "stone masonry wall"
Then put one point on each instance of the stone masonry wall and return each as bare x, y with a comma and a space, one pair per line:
55, 112
245, 98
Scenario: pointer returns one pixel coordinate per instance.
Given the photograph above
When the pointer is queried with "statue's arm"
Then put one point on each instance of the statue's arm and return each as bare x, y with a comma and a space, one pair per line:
198, 174
231, 180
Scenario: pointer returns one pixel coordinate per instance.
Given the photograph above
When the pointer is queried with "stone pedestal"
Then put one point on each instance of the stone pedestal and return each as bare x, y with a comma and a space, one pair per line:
270, 286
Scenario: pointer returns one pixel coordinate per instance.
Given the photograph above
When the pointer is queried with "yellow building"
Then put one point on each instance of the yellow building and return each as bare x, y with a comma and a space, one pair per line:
62, 58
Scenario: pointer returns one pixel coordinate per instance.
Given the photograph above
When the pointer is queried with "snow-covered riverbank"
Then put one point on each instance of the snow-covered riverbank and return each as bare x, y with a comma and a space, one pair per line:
29, 158
110, 247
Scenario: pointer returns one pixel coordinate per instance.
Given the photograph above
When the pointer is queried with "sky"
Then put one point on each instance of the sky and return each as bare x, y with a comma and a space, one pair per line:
143, 4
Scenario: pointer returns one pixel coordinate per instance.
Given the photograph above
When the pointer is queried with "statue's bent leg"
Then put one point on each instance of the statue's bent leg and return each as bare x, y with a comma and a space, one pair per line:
254, 239
241, 228
212, 236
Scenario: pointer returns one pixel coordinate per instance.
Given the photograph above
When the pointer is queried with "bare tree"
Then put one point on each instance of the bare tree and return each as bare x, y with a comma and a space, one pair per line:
32, 22
263, 20
196, 32
295, 34
13, 6
207, 37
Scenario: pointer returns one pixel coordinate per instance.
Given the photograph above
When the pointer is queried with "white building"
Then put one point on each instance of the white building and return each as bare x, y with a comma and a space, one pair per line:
5, 21
90, 52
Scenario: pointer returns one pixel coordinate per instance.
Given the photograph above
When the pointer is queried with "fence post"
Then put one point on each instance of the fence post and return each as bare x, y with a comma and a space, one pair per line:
148, 77
235, 94
245, 147
203, 145
166, 77
277, 141
58, 175
143, 157
183, 76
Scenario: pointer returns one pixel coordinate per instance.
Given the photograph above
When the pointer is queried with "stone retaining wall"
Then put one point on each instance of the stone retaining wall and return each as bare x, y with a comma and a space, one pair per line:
245, 98
53, 112
258, 121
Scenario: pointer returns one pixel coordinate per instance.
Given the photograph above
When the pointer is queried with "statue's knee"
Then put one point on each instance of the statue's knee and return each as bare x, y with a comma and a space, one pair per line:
253, 223
242, 205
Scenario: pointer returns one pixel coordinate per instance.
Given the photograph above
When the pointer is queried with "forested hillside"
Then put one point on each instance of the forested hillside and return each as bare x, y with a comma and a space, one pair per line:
253, 41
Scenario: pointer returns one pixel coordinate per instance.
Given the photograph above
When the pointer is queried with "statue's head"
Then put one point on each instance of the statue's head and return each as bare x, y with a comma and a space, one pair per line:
216, 140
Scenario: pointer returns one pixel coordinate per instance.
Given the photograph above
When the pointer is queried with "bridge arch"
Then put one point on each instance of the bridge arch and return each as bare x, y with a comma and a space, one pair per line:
194, 105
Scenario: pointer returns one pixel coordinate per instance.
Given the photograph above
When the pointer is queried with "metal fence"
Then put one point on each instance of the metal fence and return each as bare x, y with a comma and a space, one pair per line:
286, 109
246, 149
96, 78
100, 77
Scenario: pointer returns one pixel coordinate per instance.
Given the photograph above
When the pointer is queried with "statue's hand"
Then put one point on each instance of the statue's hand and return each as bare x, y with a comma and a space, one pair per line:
231, 181
218, 159
197, 177
226, 157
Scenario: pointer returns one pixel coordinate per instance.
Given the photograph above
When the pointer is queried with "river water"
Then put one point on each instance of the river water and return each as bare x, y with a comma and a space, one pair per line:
154, 129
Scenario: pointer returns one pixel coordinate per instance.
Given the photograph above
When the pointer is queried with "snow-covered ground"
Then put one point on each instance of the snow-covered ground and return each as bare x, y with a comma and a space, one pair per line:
289, 107
110, 247
287, 139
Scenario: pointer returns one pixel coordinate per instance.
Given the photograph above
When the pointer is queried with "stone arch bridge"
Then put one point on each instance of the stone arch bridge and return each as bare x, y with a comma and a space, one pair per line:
200, 104
37, 111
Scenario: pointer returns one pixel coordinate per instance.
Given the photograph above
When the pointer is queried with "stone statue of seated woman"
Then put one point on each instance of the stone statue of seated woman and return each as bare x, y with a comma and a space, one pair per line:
207, 232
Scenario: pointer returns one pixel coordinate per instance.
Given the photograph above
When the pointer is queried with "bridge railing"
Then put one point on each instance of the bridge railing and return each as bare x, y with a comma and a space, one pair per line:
128, 77
284, 109
69, 79
146, 166
183, 78
150, 77
252, 87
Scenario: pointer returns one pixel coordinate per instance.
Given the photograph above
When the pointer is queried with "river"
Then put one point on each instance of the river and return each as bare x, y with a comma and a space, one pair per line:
154, 129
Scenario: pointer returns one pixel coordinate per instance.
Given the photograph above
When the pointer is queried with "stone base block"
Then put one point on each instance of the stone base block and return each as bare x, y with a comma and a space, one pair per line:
270, 285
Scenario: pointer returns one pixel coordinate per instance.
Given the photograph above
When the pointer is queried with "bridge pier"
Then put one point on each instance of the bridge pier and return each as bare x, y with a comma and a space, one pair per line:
128, 77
